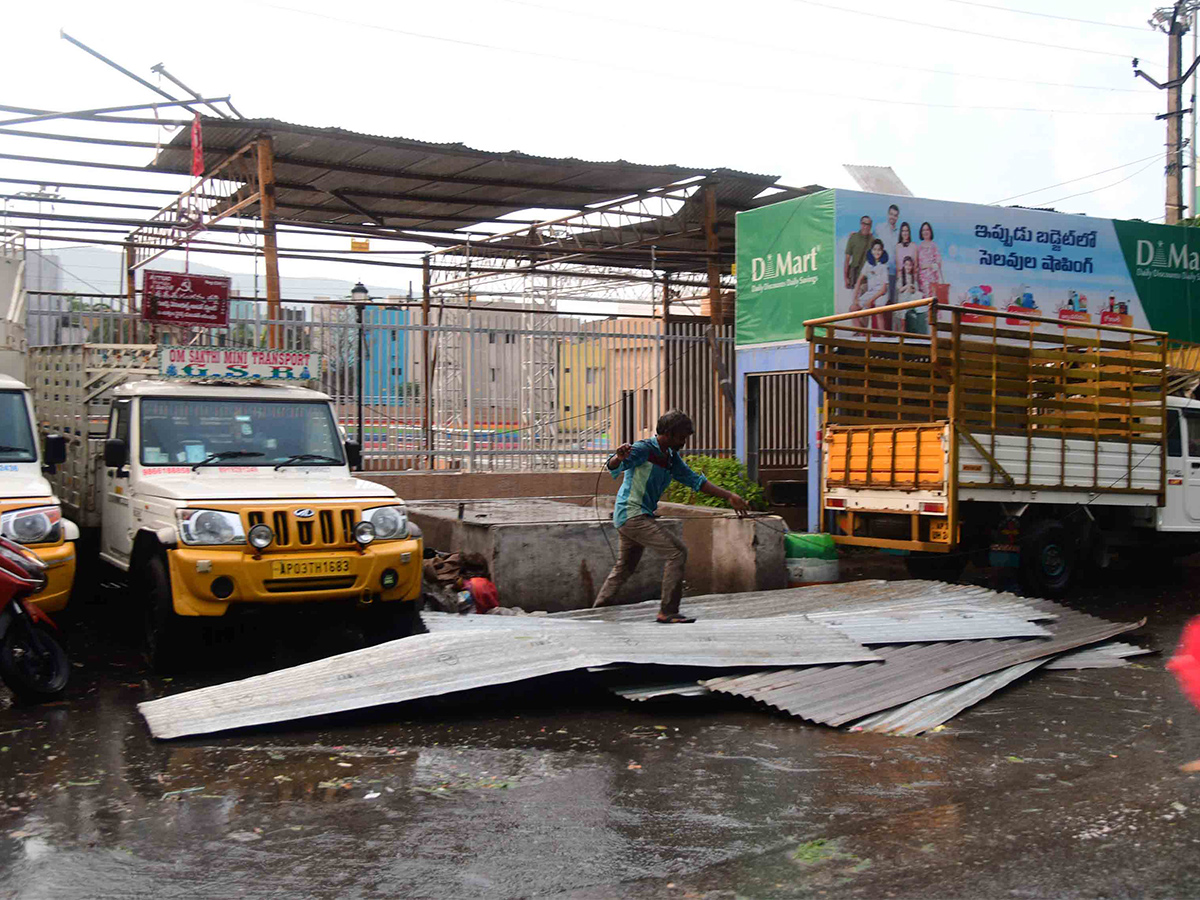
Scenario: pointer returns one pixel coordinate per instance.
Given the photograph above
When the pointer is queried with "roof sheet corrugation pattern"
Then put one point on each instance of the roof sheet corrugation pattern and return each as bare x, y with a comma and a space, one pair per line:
934, 709
432, 181
486, 650
874, 596
839, 694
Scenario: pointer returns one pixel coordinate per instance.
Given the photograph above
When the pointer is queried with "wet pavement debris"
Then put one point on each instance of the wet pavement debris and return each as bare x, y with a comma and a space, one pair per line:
918, 652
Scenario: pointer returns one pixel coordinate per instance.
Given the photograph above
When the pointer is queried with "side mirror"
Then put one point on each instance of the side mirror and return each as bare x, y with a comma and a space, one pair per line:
55, 450
354, 455
116, 453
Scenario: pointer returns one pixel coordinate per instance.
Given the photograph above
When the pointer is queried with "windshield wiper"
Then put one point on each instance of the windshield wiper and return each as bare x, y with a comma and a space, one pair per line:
4, 448
223, 455
305, 457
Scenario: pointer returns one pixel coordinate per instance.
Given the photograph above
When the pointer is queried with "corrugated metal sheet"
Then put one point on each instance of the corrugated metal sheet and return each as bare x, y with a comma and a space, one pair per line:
839, 694
882, 597
864, 626
476, 651
440, 187
644, 692
939, 707
1109, 655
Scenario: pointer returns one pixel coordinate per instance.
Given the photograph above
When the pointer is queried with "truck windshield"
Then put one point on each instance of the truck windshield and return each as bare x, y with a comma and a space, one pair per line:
186, 431
16, 443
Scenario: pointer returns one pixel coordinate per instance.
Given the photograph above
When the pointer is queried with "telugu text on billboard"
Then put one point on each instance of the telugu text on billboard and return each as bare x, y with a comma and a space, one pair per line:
176, 298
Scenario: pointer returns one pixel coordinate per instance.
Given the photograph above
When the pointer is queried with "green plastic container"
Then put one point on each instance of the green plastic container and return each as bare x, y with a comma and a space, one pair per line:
809, 546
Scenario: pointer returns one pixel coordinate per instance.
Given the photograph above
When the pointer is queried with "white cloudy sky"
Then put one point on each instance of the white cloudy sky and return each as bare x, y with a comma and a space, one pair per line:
989, 104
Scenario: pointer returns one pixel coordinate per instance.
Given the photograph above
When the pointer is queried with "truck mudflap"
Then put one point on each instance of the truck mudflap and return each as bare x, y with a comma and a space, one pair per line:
205, 581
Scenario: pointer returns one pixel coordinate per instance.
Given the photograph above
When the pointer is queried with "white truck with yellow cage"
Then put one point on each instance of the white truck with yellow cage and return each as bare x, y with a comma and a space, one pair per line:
216, 482
1009, 439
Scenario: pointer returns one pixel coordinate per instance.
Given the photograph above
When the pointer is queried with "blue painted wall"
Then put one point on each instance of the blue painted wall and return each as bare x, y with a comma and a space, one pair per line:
790, 357
384, 369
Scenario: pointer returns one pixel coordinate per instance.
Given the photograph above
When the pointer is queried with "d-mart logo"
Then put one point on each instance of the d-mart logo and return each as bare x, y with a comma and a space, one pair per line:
1162, 255
778, 265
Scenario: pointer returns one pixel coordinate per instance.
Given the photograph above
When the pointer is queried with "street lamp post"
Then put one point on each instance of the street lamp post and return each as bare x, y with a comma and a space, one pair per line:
360, 296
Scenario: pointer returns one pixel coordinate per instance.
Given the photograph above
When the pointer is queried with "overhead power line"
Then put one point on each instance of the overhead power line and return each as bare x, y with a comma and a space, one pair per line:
808, 51
1041, 15
692, 77
1073, 180
1105, 187
856, 11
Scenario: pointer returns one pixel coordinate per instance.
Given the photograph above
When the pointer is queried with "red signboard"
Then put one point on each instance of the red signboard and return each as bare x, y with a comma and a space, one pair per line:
174, 298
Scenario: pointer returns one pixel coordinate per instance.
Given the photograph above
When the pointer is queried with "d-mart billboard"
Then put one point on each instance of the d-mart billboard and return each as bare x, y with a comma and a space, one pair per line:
847, 251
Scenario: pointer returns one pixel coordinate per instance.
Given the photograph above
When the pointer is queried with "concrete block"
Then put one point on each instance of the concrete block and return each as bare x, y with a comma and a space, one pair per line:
543, 555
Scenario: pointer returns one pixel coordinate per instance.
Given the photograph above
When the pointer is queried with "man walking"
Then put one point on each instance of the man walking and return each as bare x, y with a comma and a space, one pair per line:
649, 466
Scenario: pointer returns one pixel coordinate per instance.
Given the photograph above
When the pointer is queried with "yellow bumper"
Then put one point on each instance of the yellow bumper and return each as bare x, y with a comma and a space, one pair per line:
195, 569
60, 576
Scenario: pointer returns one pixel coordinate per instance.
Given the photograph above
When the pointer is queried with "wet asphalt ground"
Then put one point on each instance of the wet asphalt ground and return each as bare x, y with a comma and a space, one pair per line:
1067, 784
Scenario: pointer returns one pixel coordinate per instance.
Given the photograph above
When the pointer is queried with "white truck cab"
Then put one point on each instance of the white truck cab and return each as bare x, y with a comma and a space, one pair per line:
29, 511
215, 494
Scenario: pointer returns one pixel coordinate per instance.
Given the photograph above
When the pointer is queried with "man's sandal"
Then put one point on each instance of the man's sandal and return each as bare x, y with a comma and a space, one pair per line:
675, 619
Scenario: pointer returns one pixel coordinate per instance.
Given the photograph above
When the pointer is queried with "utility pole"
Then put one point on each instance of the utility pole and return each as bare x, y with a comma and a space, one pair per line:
1174, 22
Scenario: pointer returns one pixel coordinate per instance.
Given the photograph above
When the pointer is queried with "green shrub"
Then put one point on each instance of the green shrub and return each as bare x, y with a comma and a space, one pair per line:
727, 473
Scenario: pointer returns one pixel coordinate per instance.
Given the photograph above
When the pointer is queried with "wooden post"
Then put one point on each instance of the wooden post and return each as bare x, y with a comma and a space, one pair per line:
266, 213
131, 288
662, 385
716, 313
426, 373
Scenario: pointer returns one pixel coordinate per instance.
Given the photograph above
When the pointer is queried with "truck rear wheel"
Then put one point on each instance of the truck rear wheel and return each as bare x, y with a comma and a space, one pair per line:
936, 566
1049, 559
166, 645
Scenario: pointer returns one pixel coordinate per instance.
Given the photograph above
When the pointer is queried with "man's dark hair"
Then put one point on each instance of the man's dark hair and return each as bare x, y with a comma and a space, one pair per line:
895, 207
675, 421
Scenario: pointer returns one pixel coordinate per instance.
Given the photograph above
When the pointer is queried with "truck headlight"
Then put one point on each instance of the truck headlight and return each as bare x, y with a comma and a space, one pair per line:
35, 525
389, 521
260, 536
210, 526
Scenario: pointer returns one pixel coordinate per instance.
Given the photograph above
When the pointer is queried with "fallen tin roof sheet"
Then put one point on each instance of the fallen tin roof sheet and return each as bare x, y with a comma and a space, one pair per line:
461, 658
835, 695
650, 691
932, 710
1109, 655
864, 626
879, 597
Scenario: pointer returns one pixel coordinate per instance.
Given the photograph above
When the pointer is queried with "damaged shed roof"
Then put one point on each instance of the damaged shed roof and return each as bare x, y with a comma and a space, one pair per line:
334, 176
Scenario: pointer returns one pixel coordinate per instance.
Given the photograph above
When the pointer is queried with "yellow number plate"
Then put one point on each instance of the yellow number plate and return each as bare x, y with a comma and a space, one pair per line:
309, 568
939, 530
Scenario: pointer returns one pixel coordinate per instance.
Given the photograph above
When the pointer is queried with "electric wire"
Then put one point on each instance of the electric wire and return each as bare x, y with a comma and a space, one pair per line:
808, 51
1042, 15
1105, 187
693, 77
1073, 180
855, 11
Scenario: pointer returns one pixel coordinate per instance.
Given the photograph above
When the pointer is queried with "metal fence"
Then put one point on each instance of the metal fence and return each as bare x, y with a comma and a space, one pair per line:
509, 390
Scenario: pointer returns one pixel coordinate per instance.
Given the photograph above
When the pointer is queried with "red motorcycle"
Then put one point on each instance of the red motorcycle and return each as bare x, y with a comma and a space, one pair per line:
32, 662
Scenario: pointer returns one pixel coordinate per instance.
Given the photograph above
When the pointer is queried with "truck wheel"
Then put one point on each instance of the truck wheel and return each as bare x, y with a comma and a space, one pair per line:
166, 644
936, 566
1049, 559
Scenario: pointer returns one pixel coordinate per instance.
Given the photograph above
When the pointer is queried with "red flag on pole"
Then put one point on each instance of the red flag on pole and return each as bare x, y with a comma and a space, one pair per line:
197, 148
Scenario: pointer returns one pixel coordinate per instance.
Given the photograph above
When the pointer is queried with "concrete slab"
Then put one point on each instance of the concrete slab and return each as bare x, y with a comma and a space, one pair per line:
552, 555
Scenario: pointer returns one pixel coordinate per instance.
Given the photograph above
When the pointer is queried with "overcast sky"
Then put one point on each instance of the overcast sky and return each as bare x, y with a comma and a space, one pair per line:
793, 88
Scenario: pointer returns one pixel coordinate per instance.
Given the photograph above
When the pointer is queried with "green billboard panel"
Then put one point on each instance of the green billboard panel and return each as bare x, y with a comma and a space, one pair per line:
785, 268
853, 252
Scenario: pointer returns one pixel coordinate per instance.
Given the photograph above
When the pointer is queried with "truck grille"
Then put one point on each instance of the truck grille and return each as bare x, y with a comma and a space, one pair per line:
328, 528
